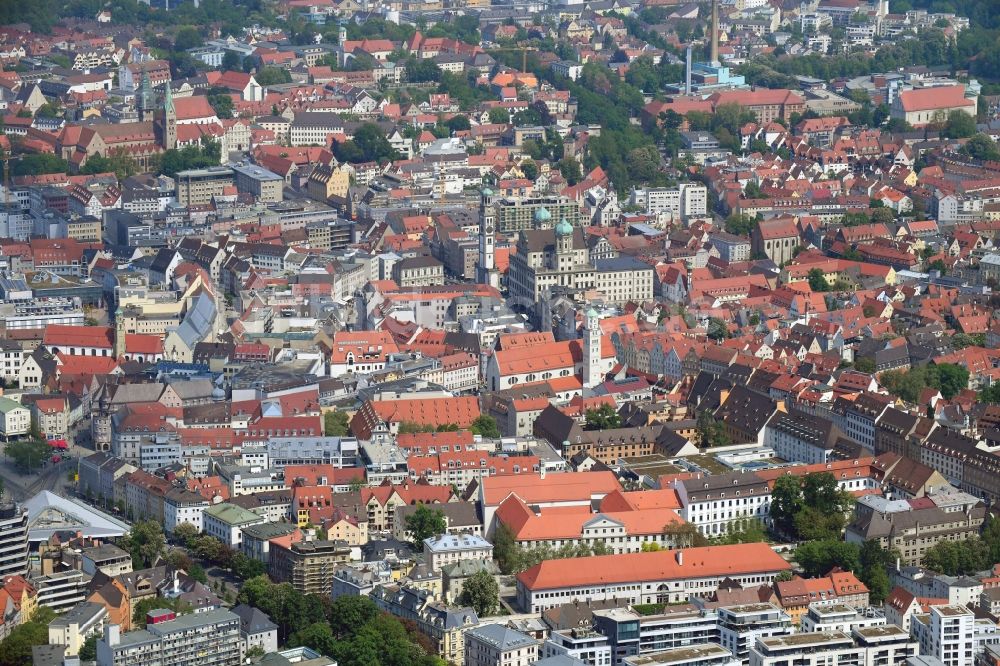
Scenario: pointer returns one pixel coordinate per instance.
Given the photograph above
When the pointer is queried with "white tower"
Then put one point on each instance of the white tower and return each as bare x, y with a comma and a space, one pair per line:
592, 375
487, 273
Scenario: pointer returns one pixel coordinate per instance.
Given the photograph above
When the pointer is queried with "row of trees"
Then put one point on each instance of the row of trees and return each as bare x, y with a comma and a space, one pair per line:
512, 558
956, 558
870, 562
15, 650
349, 629
948, 378
213, 550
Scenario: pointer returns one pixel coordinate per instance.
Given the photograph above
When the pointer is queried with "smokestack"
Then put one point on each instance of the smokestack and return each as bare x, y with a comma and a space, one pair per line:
715, 32
680, 557
687, 80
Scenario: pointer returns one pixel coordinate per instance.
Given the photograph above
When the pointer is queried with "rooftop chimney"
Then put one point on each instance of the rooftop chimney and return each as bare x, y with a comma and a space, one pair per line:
680, 557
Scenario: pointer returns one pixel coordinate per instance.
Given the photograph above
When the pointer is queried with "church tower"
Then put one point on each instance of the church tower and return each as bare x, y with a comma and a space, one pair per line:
168, 122
145, 102
592, 375
564, 238
487, 240
119, 334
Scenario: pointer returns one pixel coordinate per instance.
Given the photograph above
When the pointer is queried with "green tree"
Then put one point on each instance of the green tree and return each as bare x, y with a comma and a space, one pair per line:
187, 38
118, 162
222, 104
317, 636
786, 503
684, 535
185, 533
743, 530
145, 543
230, 61
48, 110
424, 523
482, 592
958, 558
950, 378
939, 266
717, 329
817, 558
817, 280
142, 608
197, 572
335, 423
982, 147
28, 454
39, 163
486, 426
505, 550
875, 563
530, 169
960, 125
422, 70
883, 215
374, 146
740, 224
711, 432
569, 168
88, 651
864, 364
499, 115
459, 123
272, 76
602, 418
15, 650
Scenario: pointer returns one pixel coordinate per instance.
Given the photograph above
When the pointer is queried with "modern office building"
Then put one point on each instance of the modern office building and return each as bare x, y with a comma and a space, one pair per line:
198, 186
740, 627
946, 633
62, 590
13, 540
211, 638
263, 184
631, 634
704, 654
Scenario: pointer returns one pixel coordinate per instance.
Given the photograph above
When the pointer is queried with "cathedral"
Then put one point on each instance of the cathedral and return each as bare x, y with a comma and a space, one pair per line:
142, 141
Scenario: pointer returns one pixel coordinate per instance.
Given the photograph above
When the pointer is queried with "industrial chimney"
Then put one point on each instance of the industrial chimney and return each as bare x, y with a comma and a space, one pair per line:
715, 32
687, 79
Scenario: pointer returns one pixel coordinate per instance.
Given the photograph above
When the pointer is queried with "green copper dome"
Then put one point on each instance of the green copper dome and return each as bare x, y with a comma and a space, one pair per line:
543, 215
564, 228
487, 192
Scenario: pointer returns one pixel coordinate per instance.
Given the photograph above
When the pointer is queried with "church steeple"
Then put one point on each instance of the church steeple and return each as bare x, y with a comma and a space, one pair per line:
168, 129
146, 98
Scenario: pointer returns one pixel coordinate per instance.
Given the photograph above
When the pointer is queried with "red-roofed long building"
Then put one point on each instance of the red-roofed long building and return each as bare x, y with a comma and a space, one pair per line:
927, 105
644, 578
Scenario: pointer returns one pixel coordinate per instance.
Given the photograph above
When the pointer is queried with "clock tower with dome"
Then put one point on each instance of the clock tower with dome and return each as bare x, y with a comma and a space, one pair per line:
486, 271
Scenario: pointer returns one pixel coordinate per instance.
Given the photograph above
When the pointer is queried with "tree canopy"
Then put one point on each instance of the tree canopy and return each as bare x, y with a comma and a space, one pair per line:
948, 378
482, 592
425, 523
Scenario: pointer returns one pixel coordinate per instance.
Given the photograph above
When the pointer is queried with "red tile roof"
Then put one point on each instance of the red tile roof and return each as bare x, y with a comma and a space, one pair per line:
101, 337
710, 561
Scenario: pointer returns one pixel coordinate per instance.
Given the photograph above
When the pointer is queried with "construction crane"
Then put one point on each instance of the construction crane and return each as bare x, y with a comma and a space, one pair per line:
514, 49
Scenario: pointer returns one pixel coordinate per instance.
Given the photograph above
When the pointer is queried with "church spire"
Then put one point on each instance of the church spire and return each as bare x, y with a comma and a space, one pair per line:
168, 101
168, 129
147, 101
